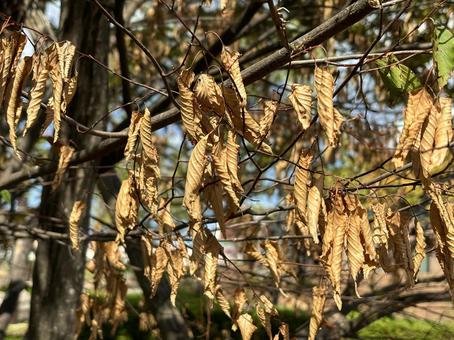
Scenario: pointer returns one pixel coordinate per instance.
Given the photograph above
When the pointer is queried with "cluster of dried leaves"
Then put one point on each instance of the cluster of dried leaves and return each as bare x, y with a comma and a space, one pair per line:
54, 64
335, 222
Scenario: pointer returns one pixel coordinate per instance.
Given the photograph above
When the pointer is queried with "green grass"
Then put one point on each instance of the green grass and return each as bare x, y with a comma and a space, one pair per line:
397, 328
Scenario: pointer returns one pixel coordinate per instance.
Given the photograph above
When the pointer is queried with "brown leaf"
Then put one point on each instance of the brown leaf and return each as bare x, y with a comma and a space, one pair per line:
14, 107
230, 60
301, 99
246, 326
126, 208
318, 304
133, 134
330, 119
74, 221
194, 176
416, 112
66, 153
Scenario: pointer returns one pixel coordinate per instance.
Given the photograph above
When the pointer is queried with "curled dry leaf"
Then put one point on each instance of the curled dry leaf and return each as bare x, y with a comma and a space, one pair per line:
273, 259
209, 94
239, 301
149, 172
14, 107
444, 133
398, 228
265, 310
301, 99
214, 195
221, 166
444, 254
330, 119
126, 208
232, 151
318, 304
230, 60
40, 76
314, 203
223, 302
380, 230
74, 221
246, 326
418, 107
270, 109
420, 248
243, 123
12, 48
165, 219
188, 118
212, 249
194, 176
302, 177
66, 153
133, 134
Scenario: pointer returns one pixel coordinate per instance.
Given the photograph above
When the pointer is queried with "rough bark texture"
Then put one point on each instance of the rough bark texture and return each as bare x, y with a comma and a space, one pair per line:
58, 273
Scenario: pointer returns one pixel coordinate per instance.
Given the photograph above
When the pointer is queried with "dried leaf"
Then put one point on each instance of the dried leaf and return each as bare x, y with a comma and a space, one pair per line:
223, 302
420, 248
209, 94
314, 203
246, 326
318, 304
230, 60
220, 164
270, 109
74, 221
133, 134
301, 99
14, 107
194, 176
330, 119
418, 107
126, 208
232, 150
40, 76
243, 123
66, 153
302, 177
184, 82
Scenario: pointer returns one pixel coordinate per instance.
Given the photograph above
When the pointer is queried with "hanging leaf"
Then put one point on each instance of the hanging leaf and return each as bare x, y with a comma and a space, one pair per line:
301, 99
126, 207
397, 77
74, 221
318, 304
443, 53
66, 153
194, 176
418, 108
246, 326
330, 118
230, 60
133, 134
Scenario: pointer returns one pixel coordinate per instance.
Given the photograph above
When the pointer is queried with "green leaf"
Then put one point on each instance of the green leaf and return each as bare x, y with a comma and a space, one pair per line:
398, 78
443, 52
6, 196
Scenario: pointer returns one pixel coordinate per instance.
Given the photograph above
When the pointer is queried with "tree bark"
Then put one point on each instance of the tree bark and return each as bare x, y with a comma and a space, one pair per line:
59, 272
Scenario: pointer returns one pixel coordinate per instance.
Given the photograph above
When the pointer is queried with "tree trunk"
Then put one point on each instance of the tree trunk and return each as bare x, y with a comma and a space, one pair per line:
59, 272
